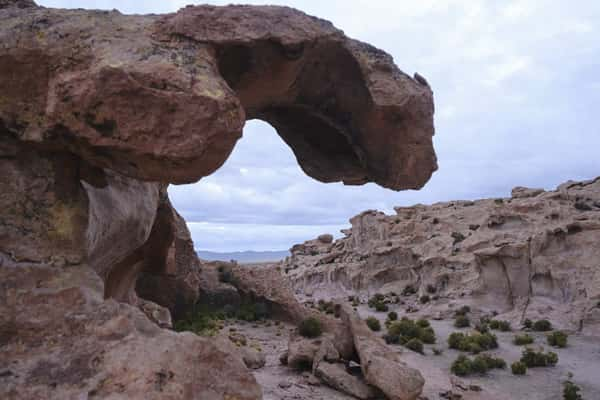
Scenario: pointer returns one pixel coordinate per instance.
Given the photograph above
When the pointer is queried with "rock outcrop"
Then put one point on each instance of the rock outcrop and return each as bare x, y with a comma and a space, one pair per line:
99, 112
530, 255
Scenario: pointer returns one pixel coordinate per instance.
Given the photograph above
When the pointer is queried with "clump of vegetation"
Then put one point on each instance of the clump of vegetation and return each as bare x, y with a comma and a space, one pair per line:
462, 321
528, 324
409, 290
518, 368
373, 324
557, 339
474, 343
458, 237
481, 364
378, 303
500, 325
543, 325
424, 299
401, 332
437, 351
310, 327
200, 322
531, 358
392, 316
522, 340
415, 345
464, 310
431, 289
482, 326
571, 390
252, 312
326, 306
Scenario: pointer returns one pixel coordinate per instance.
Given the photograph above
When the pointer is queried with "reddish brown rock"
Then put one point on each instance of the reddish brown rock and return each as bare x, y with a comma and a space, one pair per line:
99, 111
165, 98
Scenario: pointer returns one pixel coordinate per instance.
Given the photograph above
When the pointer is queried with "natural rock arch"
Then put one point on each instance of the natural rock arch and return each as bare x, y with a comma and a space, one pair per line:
99, 111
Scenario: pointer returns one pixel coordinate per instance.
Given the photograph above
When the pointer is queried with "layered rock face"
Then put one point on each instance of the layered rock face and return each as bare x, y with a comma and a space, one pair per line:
99, 112
529, 255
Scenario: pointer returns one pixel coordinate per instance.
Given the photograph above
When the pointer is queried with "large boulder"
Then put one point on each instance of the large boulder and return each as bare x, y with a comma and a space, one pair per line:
336, 376
381, 367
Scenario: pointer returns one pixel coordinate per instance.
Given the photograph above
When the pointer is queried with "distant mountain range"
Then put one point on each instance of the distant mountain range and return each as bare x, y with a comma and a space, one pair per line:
244, 256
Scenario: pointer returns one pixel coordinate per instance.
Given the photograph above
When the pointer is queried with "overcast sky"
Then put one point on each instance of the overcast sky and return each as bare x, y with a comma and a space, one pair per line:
517, 91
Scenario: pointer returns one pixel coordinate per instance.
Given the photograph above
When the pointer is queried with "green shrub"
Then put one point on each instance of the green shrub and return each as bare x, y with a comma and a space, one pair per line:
423, 323
571, 391
424, 299
557, 339
378, 302
464, 310
528, 324
481, 364
500, 325
414, 345
518, 368
531, 358
462, 321
199, 320
437, 352
392, 316
373, 324
310, 327
409, 290
482, 327
404, 330
473, 343
522, 340
461, 366
542, 325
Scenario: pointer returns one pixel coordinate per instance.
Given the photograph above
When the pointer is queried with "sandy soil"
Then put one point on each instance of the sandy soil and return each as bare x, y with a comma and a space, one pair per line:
278, 381
581, 358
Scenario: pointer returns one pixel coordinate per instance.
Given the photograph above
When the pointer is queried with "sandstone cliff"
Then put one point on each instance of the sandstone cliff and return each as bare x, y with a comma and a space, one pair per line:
529, 255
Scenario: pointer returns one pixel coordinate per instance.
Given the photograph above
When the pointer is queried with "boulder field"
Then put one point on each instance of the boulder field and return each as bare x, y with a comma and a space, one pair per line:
99, 113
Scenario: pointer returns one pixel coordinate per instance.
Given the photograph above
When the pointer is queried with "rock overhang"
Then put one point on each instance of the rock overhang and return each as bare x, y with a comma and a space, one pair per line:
165, 98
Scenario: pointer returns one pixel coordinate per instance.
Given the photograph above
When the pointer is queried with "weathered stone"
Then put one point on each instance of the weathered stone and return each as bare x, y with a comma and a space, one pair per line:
335, 375
381, 367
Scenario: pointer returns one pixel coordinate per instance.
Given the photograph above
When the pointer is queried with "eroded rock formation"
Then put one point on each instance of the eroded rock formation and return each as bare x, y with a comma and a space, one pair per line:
99, 112
530, 255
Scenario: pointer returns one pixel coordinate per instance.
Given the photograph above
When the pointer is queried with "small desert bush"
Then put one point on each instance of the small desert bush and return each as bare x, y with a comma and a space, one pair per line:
532, 359
326, 306
310, 327
415, 345
424, 299
522, 340
378, 303
409, 290
528, 324
500, 325
373, 324
464, 366
462, 321
404, 330
464, 310
473, 343
543, 325
518, 368
431, 289
571, 391
557, 339
392, 316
